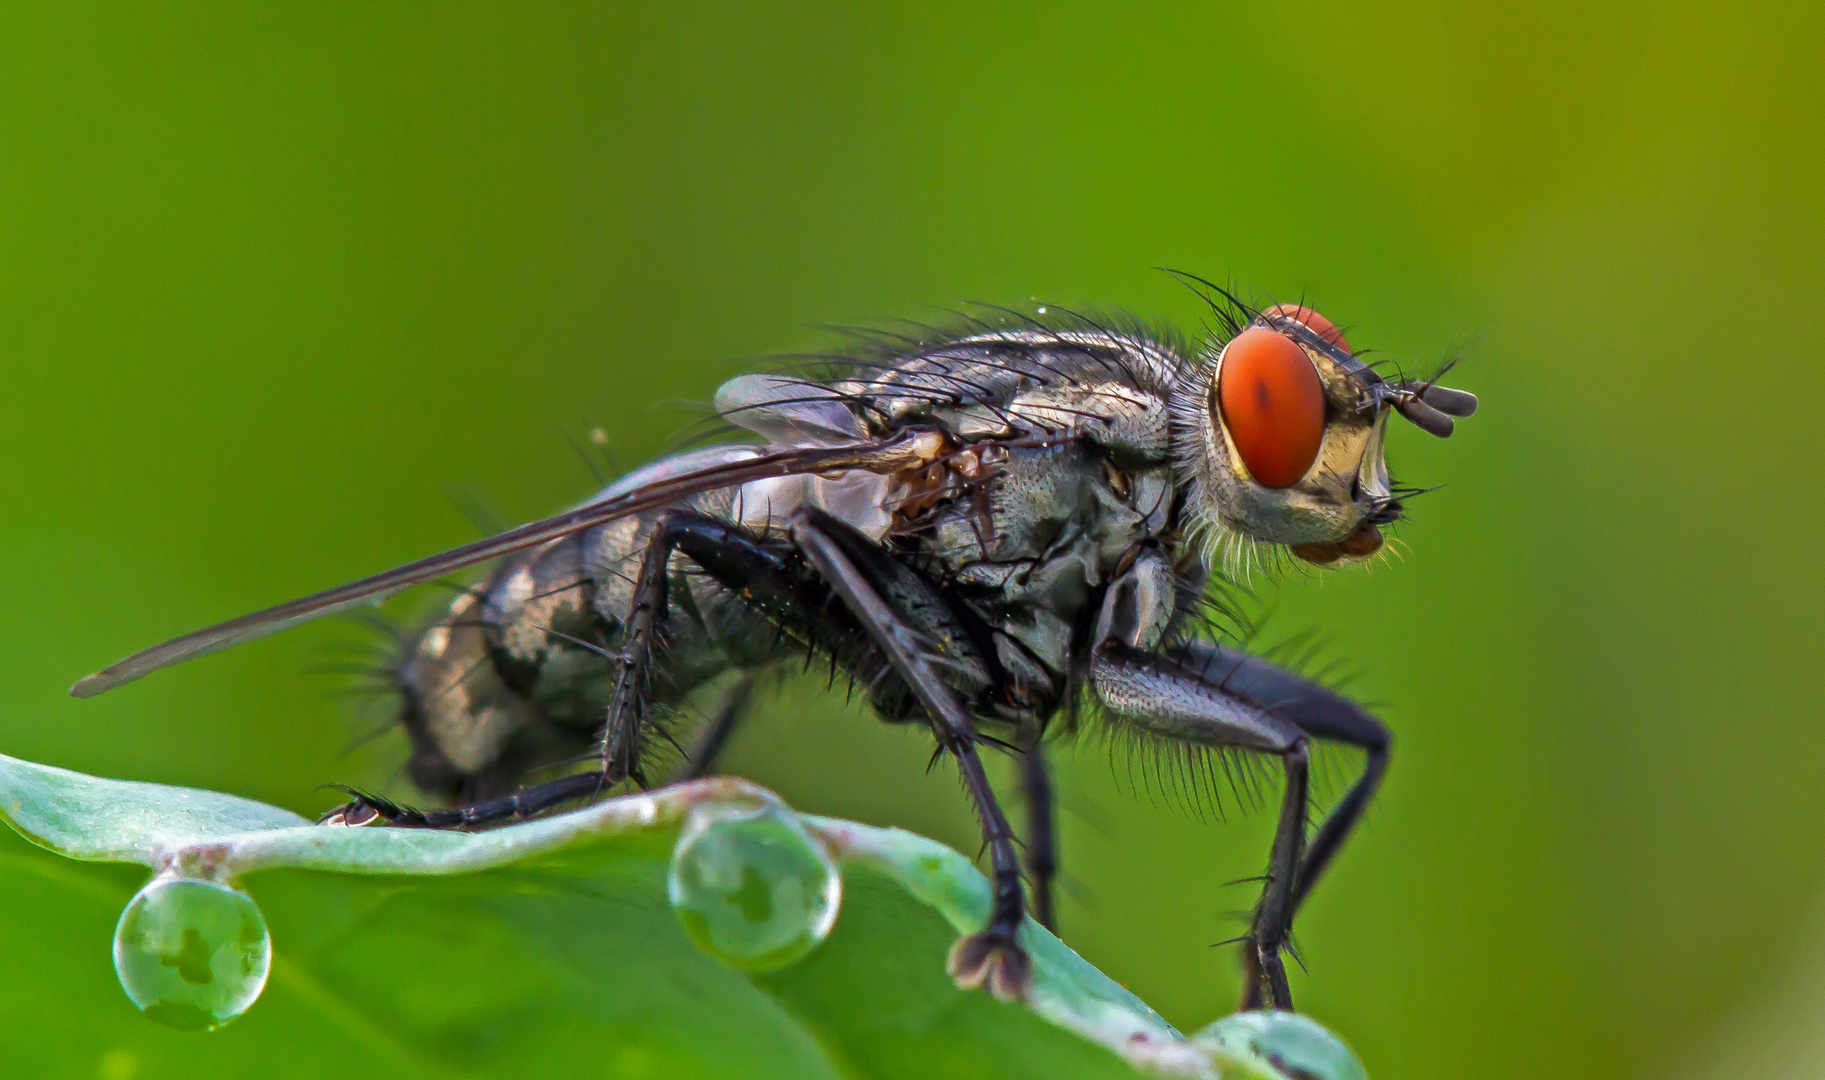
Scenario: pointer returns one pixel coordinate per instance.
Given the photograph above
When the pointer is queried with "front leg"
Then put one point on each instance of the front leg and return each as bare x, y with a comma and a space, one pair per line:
1166, 698
992, 957
1323, 715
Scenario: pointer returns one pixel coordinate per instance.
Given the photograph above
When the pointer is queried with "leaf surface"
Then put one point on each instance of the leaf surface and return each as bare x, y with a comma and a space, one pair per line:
542, 946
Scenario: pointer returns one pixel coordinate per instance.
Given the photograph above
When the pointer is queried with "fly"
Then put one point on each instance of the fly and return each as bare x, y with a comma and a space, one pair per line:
996, 532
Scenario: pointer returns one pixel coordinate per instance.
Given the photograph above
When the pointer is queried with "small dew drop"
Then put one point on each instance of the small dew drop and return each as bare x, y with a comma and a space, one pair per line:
599, 436
191, 954
1294, 1044
751, 886
1042, 309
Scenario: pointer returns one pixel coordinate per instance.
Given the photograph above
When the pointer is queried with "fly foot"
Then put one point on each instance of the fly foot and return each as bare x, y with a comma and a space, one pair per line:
994, 960
362, 809
1264, 984
353, 814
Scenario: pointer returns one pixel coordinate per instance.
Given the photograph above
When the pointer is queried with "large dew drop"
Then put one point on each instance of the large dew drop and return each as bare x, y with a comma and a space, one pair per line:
751, 886
192, 954
1294, 1044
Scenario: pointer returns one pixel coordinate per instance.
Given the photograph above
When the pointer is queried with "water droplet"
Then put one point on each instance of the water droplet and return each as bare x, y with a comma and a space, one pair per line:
752, 887
192, 954
1294, 1044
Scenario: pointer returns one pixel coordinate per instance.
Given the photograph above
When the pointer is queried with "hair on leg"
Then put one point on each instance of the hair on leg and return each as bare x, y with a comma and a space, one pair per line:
1168, 699
1322, 714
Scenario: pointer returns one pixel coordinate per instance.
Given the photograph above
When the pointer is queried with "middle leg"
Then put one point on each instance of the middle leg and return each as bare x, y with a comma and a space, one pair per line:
993, 956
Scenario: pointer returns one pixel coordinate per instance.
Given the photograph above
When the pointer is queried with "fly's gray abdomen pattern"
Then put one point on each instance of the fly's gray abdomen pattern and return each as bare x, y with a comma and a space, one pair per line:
518, 673
510, 678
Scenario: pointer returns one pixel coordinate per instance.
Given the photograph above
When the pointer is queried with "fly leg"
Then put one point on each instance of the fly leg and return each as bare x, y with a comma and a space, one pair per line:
991, 957
730, 708
522, 805
624, 731
1042, 831
1321, 714
1176, 701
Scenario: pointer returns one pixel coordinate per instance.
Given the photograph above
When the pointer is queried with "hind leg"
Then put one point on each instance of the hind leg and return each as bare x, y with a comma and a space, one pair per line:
744, 563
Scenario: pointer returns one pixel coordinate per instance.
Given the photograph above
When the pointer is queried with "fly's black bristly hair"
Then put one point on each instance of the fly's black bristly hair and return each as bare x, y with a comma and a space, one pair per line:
1190, 779
1230, 310
478, 509
366, 671
1393, 509
593, 451
867, 352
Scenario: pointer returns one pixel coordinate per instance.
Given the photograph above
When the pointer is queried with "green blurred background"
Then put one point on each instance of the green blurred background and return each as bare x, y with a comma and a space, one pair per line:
275, 279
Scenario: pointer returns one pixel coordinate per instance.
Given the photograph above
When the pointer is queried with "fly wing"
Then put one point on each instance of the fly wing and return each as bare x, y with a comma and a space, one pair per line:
782, 409
885, 456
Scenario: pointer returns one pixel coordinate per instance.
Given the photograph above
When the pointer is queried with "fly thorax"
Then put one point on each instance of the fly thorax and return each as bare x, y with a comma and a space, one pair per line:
1040, 499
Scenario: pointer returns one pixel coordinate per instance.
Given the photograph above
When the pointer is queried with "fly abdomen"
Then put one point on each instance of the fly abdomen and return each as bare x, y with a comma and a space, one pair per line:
471, 733
519, 672
549, 642
510, 678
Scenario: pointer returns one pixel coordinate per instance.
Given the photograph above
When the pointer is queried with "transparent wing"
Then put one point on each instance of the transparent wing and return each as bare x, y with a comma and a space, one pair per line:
884, 456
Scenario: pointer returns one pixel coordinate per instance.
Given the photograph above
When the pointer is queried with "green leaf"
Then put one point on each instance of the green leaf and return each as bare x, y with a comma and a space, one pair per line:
544, 945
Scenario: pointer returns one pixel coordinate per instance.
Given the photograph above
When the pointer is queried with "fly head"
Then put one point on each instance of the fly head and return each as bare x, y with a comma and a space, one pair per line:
1282, 432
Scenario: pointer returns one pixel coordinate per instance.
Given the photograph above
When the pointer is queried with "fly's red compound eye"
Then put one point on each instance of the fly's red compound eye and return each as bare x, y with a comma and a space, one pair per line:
1273, 405
1313, 321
